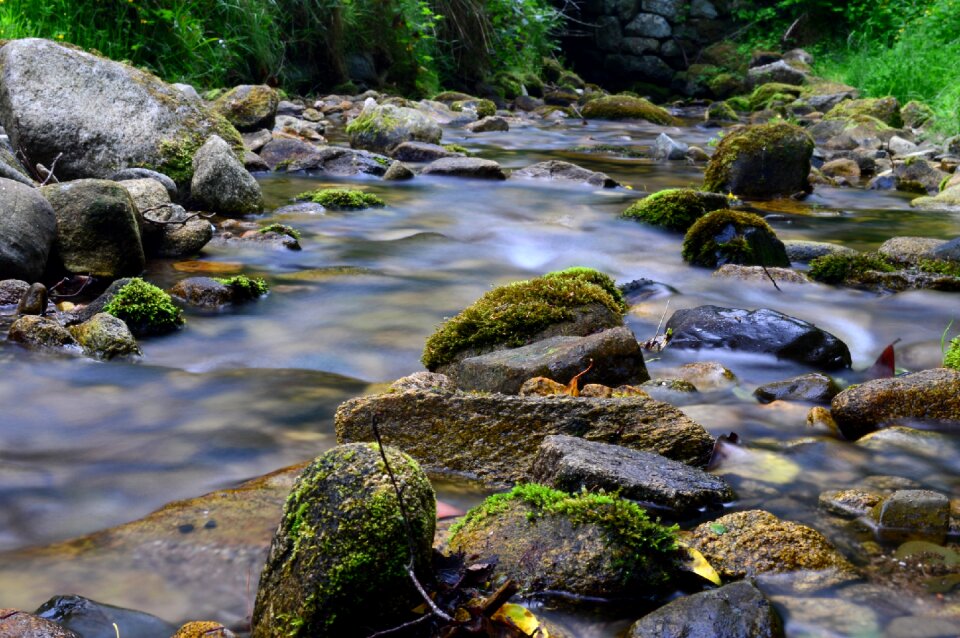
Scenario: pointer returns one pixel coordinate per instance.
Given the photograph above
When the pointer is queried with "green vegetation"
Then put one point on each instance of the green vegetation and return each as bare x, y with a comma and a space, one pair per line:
245, 288
622, 107
903, 49
838, 268
511, 314
951, 358
733, 237
623, 521
282, 229
342, 199
417, 45
145, 308
675, 208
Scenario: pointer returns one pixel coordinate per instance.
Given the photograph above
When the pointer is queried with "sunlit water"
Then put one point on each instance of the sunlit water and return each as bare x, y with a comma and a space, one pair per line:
236, 394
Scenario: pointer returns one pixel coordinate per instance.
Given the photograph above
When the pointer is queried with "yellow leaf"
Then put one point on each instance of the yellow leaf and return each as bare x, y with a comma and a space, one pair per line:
699, 565
522, 619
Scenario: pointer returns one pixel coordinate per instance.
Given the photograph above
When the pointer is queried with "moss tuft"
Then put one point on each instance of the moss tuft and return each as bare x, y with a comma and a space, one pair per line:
622, 107
733, 237
675, 208
939, 267
245, 288
765, 94
594, 277
512, 314
145, 308
342, 199
624, 522
838, 268
951, 358
282, 229
457, 148
886, 109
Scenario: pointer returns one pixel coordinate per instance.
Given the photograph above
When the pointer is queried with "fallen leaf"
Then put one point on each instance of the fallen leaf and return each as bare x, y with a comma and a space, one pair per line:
699, 565
521, 619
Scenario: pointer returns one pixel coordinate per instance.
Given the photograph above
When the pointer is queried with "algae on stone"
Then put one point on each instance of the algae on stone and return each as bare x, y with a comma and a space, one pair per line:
342, 198
337, 564
511, 315
625, 107
145, 308
733, 237
590, 544
675, 208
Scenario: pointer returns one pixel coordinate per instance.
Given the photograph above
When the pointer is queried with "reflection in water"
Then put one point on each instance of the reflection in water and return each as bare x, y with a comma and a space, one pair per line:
235, 394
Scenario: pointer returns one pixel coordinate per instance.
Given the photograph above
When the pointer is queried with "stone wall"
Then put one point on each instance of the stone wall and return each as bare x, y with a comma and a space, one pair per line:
624, 43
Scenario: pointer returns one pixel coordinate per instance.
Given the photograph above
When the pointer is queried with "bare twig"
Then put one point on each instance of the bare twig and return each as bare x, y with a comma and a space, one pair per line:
171, 222
499, 598
406, 625
50, 174
409, 529
767, 273
789, 32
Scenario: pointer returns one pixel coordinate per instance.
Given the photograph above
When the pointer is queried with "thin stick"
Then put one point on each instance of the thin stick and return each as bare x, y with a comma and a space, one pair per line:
406, 625
50, 175
406, 523
767, 273
499, 598
662, 317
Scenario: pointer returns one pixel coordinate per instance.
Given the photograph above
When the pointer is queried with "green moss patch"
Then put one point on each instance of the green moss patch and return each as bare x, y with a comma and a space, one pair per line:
733, 237
342, 199
765, 94
838, 268
512, 314
145, 308
625, 107
675, 208
951, 358
282, 229
245, 288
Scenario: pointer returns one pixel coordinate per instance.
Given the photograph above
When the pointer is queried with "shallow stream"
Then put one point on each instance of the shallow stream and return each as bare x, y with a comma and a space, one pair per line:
85, 446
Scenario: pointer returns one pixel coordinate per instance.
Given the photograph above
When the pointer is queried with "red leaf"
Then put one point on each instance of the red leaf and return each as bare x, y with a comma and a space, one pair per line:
884, 367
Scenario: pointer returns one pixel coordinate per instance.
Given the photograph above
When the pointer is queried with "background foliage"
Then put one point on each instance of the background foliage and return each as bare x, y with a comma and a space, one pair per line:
415, 45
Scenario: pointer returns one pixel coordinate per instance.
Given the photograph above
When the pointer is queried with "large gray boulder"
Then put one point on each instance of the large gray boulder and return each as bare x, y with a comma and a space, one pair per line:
381, 127
615, 355
495, 437
737, 610
762, 330
337, 564
249, 106
98, 116
571, 463
98, 231
469, 167
221, 183
28, 227
289, 155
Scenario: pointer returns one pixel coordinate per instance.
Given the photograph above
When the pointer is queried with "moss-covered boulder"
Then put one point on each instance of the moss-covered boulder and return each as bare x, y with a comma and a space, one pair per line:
951, 358
755, 542
98, 116
765, 94
482, 108
249, 107
104, 336
847, 268
916, 114
98, 230
342, 198
337, 565
886, 109
584, 544
720, 113
733, 237
766, 160
577, 301
676, 208
495, 437
380, 127
145, 308
625, 107
929, 396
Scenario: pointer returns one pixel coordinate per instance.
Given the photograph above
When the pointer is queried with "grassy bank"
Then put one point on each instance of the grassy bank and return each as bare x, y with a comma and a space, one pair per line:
412, 46
907, 49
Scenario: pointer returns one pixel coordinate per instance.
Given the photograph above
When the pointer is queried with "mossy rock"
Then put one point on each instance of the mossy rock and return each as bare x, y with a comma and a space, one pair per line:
337, 564
244, 288
249, 107
764, 94
916, 114
951, 358
483, 108
738, 103
675, 208
761, 161
724, 85
733, 237
452, 96
885, 109
585, 544
105, 337
847, 268
145, 308
508, 85
625, 107
381, 127
513, 315
342, 199
38, 332
720, 112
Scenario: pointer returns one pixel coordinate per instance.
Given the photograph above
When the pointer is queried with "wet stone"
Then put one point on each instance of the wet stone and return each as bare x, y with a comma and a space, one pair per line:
11, 291
809, 388
20, 624
572, 463
33, 301
913, 514
849, 503
92, 619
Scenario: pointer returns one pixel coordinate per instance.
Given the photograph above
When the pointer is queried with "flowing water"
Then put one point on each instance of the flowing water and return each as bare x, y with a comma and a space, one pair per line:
235, 394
